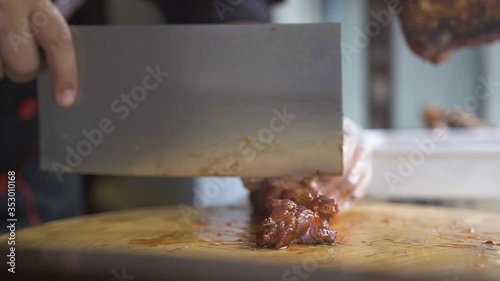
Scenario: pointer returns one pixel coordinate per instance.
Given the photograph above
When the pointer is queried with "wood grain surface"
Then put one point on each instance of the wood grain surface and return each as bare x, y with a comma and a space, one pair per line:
378, 237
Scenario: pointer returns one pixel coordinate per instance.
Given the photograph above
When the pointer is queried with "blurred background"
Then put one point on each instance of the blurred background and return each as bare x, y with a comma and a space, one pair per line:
385, 87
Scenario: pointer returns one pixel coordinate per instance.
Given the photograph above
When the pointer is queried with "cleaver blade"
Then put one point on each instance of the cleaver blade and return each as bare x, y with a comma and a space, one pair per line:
257, 100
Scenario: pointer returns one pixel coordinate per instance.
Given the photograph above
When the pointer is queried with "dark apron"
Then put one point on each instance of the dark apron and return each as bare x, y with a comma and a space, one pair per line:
39, 196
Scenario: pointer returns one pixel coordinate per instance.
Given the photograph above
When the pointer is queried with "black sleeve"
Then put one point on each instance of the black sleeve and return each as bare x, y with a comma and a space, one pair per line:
215, 11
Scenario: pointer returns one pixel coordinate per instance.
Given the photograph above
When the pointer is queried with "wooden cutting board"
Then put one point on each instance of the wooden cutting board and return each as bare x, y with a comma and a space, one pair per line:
380, 237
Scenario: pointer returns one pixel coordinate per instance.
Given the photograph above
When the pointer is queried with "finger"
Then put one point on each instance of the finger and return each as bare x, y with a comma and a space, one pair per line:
55, 38
18, 49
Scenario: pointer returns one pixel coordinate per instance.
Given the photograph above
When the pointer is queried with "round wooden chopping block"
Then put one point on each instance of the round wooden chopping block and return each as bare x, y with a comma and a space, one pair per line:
379, 237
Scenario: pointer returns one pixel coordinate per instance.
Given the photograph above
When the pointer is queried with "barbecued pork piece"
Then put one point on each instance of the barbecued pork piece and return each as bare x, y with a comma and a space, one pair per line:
299, 209
435, 28
297, 216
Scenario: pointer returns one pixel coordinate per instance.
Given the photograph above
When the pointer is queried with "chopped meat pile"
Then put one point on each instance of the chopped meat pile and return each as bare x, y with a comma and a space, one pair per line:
293, 215
435, 28
299, 209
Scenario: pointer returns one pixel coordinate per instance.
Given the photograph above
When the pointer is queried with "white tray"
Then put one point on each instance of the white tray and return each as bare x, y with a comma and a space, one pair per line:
453, 164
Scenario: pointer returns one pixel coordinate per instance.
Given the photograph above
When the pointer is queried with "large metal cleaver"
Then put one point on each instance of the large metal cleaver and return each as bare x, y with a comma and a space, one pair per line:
199, 100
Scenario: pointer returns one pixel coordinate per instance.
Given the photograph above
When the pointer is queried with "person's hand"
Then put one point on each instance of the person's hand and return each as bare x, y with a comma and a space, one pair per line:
25, 24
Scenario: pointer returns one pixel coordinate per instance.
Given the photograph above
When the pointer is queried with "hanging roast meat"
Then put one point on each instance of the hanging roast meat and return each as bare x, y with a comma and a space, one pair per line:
435, 28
